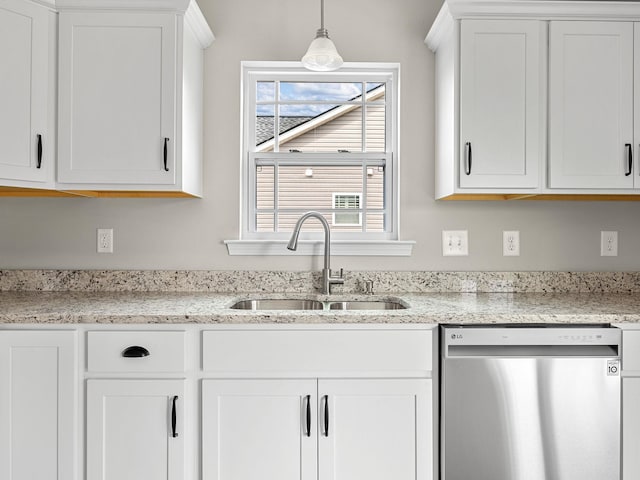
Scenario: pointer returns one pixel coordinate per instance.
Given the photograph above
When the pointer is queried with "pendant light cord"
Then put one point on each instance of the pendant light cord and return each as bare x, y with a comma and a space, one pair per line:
321, 14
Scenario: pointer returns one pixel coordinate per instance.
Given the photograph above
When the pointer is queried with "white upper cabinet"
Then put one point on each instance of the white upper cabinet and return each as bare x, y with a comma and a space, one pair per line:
130, 100
591, 105
537, 98
490, 105
117, 98
636, 105
27, 46
500, 104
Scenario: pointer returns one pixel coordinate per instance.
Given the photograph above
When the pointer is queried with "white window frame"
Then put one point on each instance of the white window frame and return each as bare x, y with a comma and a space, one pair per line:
252, 242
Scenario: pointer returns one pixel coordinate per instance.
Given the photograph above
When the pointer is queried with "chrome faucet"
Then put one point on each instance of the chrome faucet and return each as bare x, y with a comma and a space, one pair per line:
327, 278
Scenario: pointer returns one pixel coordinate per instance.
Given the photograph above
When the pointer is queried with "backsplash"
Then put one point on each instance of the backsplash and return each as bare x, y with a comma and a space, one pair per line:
309, 282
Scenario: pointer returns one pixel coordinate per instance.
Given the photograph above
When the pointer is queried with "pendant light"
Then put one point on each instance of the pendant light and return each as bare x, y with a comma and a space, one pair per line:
322, 55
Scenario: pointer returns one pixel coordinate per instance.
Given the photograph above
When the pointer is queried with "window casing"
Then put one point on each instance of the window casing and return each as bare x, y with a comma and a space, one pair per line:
299, 149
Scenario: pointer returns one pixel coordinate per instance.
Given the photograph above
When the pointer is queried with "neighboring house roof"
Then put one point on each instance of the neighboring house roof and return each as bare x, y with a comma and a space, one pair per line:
264, 126
306, 124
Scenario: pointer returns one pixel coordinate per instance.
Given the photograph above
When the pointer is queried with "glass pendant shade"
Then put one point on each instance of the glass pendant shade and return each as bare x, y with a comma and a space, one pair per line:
322, 55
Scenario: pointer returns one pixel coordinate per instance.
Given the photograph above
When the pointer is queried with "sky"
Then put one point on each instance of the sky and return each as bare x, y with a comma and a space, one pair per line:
331, 94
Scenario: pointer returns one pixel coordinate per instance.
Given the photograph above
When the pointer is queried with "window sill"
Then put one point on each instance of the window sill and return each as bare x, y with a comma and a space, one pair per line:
388, 248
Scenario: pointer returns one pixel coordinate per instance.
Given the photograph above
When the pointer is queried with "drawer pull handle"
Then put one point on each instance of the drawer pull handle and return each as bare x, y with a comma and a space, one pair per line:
164, 154
135, 351
308, 415
468, 158
39, 162
629, 159
174, 433
326, 415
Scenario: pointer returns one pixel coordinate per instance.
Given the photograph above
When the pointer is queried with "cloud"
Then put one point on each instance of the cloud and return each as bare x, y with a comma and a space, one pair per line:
331, 92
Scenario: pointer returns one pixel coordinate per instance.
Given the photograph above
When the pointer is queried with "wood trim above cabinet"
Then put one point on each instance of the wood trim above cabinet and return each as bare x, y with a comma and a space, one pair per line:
36, 192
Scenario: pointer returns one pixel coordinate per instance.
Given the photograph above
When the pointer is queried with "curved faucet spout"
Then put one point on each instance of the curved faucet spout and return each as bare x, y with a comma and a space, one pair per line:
327, 278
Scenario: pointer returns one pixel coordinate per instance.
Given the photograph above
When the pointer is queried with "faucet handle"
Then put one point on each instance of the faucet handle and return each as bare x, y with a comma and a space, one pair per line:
368, 287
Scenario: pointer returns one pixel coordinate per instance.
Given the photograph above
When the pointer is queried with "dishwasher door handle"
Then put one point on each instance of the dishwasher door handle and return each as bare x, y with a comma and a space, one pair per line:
514, 351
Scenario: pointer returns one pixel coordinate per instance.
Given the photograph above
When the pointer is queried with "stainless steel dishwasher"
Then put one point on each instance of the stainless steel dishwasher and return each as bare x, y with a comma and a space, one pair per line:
530, 403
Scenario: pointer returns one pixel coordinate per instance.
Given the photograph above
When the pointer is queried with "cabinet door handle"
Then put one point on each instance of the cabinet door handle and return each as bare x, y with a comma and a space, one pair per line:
467, 158
326, 415
629, 148
135, 351
174, 432
308, 415
165, 153
39, 161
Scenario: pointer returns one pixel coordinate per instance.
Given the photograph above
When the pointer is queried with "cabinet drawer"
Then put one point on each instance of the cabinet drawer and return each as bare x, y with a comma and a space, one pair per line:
318, 352
631, 350
106, 351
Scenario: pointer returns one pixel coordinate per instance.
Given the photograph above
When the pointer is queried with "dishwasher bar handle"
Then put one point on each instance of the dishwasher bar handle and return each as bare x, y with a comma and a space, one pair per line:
532, 351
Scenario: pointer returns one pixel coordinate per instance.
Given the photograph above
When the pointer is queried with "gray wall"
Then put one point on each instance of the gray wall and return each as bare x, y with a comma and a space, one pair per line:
188, 234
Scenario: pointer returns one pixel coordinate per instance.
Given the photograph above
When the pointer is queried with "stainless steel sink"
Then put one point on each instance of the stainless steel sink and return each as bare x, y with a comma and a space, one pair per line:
278, 304
366, 305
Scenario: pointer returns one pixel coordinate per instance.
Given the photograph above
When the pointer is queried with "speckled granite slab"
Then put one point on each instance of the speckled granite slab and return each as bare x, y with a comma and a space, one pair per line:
309, 282
209, 308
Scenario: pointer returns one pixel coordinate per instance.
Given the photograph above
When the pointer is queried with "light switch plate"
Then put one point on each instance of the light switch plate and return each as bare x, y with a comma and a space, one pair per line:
455, 243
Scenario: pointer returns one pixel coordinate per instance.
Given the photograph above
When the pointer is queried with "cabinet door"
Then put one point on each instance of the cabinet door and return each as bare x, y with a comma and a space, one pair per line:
24, 80
500, 104
37, 405
258, 429
117, 99
636, 97
130, 429
630, 428
375, 429
590, 104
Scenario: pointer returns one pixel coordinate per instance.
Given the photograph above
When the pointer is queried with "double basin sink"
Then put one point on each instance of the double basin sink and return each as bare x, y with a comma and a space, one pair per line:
308, 304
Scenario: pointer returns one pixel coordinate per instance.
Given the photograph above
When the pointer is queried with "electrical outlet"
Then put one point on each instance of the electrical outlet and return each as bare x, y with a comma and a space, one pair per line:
105, 240
511, 243
455, 243
608, 244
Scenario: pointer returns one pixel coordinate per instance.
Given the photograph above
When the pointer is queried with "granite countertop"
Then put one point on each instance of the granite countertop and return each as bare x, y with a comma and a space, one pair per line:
74, 307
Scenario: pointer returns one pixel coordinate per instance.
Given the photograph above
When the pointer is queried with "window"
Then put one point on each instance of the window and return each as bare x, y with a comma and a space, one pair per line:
347, 201
308, 137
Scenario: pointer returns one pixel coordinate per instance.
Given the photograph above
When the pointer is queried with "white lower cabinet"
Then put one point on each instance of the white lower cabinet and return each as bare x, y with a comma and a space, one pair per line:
38, 405
375, 429
135, 430
630, 404
631, 428
258, 429
306, 429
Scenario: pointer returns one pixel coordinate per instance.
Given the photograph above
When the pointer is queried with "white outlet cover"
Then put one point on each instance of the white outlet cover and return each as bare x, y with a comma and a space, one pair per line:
105, 240
608, 243
455, 243
511, 243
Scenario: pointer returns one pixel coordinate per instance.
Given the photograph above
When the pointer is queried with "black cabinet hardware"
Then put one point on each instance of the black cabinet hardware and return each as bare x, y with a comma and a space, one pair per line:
135, 351
174, 433
629, 148
39, 162
166, 168
467, 158
326, 415
308, 415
